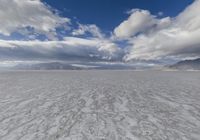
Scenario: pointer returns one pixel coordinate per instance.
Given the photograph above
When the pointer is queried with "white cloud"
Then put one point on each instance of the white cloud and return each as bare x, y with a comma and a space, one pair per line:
70, 48
16, 15
90, 28
38, 16
139, 21
151, 38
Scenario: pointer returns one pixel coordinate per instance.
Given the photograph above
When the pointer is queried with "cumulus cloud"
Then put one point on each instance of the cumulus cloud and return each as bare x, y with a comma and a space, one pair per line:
70, 48
25, 15
139, 21
16, 15
152, 38
90, 28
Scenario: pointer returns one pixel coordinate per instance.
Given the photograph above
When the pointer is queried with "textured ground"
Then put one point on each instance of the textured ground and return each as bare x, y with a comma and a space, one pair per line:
99, 105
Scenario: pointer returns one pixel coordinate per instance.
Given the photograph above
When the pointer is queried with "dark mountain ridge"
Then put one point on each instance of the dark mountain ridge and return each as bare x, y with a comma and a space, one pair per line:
187, 65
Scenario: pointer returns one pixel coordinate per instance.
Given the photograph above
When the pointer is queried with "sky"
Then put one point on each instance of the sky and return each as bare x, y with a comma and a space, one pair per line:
125, 31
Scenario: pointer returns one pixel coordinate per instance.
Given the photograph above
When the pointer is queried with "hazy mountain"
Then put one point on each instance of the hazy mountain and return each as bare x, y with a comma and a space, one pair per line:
72, 66
187, 65
46, 66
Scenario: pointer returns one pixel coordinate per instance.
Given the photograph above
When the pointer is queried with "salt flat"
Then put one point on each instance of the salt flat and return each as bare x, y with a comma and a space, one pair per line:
99, 105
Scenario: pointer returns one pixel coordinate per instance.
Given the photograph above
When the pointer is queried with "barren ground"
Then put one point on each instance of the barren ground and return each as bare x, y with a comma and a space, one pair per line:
99, 105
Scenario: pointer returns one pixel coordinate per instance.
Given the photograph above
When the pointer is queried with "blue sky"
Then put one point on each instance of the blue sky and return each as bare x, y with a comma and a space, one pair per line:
107, 14
125, 31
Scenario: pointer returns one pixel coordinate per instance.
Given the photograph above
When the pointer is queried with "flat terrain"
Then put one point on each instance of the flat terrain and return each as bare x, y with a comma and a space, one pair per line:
99, 105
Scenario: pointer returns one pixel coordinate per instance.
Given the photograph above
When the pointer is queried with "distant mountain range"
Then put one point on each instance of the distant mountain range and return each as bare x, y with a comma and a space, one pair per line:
68, 66
182, 65
46, 66
187, 65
